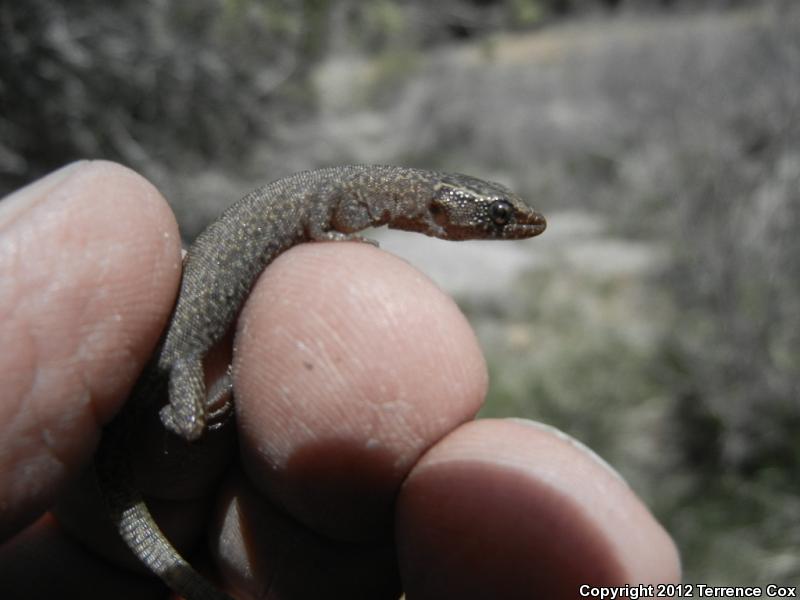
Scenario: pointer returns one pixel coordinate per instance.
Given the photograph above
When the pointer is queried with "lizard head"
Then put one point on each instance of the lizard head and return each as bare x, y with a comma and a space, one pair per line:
464, 207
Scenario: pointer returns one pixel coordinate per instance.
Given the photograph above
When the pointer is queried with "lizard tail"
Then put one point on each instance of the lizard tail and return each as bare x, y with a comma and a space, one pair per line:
132, 519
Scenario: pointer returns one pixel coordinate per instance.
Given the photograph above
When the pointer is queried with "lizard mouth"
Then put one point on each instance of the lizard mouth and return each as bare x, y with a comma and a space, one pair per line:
525, 225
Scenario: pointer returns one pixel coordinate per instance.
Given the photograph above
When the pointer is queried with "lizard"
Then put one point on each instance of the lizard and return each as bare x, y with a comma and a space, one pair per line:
219, 270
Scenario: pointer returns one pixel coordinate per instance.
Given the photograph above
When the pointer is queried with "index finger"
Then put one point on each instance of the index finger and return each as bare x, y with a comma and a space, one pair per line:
349, 364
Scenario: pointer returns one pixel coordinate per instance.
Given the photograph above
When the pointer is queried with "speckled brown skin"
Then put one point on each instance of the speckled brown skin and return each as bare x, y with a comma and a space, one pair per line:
221, 268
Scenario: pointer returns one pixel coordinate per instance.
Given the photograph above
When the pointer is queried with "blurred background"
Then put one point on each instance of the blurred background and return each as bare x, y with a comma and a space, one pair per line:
657, 319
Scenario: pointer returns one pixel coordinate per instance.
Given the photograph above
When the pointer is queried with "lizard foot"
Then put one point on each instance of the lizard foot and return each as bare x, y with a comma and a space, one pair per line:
185, 415
219, 402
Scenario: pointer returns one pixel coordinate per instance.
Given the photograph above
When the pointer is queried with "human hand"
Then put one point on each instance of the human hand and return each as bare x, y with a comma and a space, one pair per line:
359, 470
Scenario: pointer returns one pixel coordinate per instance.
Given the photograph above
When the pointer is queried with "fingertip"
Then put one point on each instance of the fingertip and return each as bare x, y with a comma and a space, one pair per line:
18, 202
501, 509
348, 363
89, 259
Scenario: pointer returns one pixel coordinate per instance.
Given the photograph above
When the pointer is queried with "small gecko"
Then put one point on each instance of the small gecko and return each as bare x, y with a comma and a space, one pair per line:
219, 271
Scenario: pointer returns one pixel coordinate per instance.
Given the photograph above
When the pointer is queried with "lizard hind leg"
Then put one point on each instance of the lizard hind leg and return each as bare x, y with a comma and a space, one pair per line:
185, 415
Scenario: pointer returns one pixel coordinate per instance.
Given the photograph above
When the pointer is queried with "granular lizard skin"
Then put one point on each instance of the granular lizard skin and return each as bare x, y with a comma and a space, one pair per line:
219, 271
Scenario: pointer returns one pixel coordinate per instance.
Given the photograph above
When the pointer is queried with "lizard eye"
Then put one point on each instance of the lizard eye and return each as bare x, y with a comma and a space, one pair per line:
500, 212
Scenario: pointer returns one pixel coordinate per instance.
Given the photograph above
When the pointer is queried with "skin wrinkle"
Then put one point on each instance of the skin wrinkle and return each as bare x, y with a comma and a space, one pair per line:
23, 325
11, 255
31, 472
37, 402
336, 374
329, 372
19, 204
274, 454
393, 311
44, 431
398, 313
452, 373
327, 329
94, 267
88, 406
13, 402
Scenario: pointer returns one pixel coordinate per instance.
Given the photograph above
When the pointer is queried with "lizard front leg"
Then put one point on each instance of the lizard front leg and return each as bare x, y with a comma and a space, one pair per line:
185, 415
